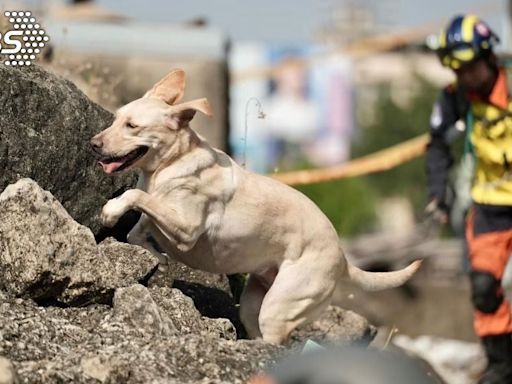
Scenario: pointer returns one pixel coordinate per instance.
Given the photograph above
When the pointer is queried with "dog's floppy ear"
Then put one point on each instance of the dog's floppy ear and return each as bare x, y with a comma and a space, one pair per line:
184, 112
170, 89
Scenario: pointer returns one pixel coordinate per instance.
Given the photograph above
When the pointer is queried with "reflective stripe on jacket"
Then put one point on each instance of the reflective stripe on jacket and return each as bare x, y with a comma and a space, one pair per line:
491, 139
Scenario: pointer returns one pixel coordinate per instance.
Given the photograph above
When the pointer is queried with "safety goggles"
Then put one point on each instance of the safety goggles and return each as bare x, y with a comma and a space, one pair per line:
456, 57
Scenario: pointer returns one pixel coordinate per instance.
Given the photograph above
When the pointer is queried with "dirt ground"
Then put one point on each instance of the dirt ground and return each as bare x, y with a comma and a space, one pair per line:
418, 309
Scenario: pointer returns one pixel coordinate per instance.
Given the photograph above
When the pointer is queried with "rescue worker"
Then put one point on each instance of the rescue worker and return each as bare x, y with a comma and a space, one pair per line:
478, 107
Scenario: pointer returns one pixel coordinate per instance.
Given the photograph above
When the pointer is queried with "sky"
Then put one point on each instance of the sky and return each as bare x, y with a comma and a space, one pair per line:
295, 21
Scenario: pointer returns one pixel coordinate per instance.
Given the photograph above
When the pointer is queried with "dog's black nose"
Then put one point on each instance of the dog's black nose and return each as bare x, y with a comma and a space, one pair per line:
96, 143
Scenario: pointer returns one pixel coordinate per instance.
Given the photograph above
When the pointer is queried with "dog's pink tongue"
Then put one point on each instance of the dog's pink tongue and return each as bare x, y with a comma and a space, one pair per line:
110, 167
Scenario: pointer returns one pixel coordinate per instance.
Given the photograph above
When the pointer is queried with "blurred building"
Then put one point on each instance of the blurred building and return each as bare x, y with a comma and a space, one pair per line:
308, 107
314, 98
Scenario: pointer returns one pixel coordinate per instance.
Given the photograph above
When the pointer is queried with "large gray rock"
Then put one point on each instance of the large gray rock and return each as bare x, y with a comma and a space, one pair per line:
45, 127
337, 326
135, 306
121, 345
95, 344
186, 317
47, 256
211, 293
166, 311
176, 271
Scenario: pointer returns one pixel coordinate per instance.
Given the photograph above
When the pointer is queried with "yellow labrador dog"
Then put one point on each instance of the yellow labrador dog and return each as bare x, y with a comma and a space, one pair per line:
209, 213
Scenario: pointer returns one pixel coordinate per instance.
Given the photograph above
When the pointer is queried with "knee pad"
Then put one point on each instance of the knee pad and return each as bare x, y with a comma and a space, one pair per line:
485, 292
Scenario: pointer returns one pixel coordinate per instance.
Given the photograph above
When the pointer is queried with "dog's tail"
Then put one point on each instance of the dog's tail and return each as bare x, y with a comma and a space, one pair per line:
376, 281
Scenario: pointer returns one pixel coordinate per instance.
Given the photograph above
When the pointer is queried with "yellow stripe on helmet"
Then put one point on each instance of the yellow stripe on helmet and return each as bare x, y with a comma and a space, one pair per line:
467, 54
442, 39
468, 28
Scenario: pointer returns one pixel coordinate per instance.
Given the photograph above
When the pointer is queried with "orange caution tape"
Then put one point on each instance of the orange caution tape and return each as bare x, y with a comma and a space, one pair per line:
376, 162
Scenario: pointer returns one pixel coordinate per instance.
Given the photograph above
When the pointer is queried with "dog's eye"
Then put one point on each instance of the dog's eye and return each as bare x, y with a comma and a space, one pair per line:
131, 125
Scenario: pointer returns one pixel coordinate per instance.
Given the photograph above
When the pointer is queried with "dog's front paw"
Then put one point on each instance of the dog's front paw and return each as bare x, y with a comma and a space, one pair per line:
112, 211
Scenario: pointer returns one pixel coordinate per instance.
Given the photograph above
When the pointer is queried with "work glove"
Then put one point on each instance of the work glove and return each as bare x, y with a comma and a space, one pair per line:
438, 211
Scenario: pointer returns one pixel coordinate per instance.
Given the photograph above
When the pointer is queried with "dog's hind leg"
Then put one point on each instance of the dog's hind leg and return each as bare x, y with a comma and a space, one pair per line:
250, 304
300, 293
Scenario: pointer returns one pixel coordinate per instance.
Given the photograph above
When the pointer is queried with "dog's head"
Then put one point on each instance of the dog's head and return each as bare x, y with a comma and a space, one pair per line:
145, 130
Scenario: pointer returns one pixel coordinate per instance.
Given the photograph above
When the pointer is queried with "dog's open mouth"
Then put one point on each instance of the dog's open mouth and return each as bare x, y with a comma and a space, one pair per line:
116, 164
